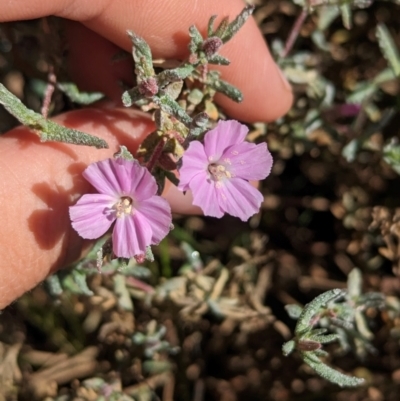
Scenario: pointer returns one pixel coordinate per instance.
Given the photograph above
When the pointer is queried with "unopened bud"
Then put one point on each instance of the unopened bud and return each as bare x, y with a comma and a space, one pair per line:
148, 87
211, 45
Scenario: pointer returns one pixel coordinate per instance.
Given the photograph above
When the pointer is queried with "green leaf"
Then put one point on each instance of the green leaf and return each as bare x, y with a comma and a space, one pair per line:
124, 298
166, 77
288, 347
345, 10
54, 284
124, 154
391, 154
131, 96
326, 17
51, 131
304, 323
329, 373
196, 39
210, 28
237, 23
350, 151
73, 92
170, 106
388, 48
218, 60
293, 310
76, 282
142, 56
325, 339
46, 129
226, 88
354, 283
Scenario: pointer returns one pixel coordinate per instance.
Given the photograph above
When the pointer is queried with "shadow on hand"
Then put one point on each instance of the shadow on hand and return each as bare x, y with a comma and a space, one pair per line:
51, 226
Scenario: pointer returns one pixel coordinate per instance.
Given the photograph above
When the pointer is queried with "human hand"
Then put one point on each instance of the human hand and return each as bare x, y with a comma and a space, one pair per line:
41, 180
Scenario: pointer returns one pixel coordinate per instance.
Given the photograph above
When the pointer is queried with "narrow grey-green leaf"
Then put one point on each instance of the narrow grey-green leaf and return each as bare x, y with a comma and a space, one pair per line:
55, 132
350, 151
391, 154
174, 89
124, 298
46, 129
80, 280
237, 23
316, 332
345, 10
325, 339
218, 60
73, 92
131, 96
195, 39
293, 310
124, 154
288, 347
170, 106
210, 28
54, 284
326, 17
141, 53
331, 374
354, 283
227, 89
310, 310
15, 107
388, 48
195, 132
177, 74
222, 26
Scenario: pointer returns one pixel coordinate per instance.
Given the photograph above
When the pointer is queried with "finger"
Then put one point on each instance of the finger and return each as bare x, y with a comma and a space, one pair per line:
90, 62
267, 95
39, 183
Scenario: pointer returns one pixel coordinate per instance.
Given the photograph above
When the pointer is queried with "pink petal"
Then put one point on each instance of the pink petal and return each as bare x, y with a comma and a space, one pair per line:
121, 177
249, 161
239, 198
157, 212
205, 195
194, 161
103, 176
131, 236
92, 215
140, 184
225, 134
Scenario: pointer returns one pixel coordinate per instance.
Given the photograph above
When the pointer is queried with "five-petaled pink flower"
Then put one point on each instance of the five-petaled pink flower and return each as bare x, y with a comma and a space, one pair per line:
219, 171
127, 196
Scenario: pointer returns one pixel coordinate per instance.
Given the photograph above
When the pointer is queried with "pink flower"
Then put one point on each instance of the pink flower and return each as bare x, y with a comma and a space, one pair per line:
218, 172
127, 196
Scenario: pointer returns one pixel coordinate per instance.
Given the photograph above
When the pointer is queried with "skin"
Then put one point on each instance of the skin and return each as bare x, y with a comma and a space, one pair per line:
41, 180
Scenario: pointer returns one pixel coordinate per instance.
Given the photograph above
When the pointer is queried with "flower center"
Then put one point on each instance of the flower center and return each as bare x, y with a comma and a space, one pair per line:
218, 172
124, 206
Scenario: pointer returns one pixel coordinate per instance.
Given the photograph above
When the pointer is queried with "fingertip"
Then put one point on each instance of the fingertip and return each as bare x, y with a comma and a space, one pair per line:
267, 95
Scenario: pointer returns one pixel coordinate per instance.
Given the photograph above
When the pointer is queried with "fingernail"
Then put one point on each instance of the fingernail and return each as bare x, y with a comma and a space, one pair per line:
285, 82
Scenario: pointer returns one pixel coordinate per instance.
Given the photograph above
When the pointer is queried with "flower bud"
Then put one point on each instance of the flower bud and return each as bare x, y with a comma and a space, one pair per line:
211, 45
148, 87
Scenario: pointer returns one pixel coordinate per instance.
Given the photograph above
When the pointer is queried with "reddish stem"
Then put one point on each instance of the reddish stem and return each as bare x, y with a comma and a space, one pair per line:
156, 154
294, 33
48, 94
177, 136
